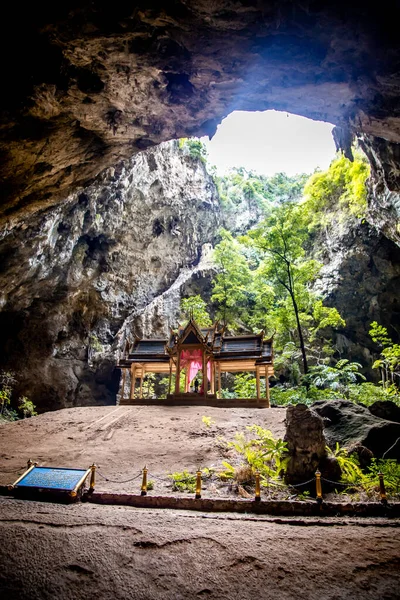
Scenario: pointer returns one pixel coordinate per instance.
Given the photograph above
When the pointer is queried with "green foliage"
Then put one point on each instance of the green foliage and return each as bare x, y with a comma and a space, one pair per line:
324, 317
165, 380
95, 343
245, 385
26, 407
183, 482
232, 284
150, 485
367, 393
7, 382
349, 465
389, 361
149, 385
196, 148
284, 277
337, 193
262, 453
241, 186
196, 307
336, 378
390, 469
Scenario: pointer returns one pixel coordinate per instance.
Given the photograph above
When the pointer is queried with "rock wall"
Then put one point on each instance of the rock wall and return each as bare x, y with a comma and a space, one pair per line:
73, 276
361, 278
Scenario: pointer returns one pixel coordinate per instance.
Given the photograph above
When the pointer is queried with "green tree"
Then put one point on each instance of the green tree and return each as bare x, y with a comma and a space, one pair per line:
389, 361
196, 307
338, 192
282, 237
232, 286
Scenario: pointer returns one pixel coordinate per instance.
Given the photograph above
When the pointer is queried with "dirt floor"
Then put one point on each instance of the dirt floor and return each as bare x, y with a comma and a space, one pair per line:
63, 552
82, 551
122, 440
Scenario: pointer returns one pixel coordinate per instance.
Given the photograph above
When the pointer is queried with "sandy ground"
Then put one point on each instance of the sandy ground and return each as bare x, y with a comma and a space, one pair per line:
49, 551
122, 440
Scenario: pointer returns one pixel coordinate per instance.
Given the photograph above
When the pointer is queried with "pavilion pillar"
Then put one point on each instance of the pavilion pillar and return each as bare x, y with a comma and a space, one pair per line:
170, 376
267, 386
187, 380
219, 380
178, 372
133, 382
212, 377
123, 385
205, 380
258, 383
141, 384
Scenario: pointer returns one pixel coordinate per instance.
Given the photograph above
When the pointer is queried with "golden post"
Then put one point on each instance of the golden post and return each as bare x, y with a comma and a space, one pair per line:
92, 477
318, 486
144, 482
382, 489
258, 491
198, 485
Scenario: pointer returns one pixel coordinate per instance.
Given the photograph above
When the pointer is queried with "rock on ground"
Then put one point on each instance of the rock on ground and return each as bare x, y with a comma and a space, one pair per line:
348, 424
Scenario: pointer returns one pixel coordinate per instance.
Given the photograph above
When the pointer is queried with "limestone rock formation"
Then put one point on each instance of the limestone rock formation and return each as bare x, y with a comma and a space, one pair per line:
91, 83
72, 276
307, 446
348, 424
361, 278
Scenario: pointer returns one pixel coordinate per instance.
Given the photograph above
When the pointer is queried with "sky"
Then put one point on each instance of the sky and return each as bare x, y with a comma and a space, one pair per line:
269, 142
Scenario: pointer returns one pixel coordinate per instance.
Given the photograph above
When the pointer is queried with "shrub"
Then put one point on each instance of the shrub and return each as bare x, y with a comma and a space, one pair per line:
183, 482
26, 407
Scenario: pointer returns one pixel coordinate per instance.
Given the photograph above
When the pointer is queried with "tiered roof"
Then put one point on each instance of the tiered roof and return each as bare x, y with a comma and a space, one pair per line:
244, 348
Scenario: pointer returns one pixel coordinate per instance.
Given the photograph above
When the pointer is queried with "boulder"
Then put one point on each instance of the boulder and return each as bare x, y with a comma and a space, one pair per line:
307, 446
385, 409
351, 424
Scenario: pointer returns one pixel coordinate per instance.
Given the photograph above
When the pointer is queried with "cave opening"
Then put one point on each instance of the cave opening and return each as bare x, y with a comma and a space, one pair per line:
81, 134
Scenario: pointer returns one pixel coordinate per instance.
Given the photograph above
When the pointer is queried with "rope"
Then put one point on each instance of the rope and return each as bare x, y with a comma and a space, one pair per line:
346, 485
295, 485
114, 481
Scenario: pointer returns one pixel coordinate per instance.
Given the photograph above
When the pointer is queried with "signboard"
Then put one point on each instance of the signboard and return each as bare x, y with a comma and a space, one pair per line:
51, 479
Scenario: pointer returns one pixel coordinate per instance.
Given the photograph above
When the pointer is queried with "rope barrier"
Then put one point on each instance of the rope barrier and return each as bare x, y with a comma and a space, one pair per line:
200, 478
114, 480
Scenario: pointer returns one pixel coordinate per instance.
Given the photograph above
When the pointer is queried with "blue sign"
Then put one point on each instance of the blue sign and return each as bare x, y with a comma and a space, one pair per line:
50, 478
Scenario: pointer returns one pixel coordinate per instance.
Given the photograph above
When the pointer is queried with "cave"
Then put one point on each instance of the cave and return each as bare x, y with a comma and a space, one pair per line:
92, 89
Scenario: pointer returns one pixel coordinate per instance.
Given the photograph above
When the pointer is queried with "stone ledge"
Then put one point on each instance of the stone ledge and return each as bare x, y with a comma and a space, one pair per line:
282, 508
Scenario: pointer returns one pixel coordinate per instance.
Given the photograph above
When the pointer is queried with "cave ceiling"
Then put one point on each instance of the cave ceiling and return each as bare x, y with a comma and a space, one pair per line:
86, 84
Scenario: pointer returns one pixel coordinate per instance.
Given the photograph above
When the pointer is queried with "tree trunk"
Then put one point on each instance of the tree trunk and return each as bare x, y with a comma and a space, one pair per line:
301, 339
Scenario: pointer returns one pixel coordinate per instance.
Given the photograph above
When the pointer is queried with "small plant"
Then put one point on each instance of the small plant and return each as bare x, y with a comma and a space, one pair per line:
263, 454
208, 421
303, 495
349, 465
207, 473
150, 485
26, 407
183, 482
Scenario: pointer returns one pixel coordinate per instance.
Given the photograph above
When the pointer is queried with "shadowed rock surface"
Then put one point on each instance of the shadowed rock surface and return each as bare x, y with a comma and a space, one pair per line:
347, 424
73, 276
385, 409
